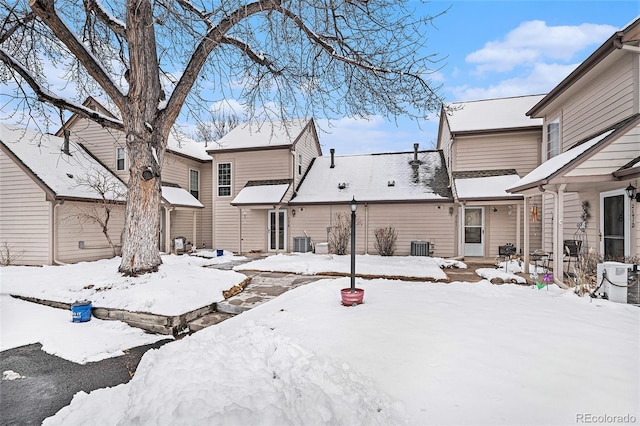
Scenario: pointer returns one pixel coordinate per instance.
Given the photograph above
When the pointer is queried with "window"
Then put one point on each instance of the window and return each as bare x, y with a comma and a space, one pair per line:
224, 179
194, 183
553, 138
119, 159
299, 164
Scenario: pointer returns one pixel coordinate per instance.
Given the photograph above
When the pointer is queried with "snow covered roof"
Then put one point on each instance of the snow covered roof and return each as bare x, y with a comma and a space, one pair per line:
376, 177
255, 193
181, 144
65, 175
261, 135
485, 185
179, 197
552, 166
493, 114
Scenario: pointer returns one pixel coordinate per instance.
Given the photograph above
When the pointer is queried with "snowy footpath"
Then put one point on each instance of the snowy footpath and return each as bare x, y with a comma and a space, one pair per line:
414, 353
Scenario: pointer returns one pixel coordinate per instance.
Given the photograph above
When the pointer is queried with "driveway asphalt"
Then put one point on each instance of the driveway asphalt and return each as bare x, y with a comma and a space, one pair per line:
48, 382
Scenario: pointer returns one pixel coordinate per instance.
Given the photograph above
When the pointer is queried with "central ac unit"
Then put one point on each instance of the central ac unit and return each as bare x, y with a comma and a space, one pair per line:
301, 244
419, 248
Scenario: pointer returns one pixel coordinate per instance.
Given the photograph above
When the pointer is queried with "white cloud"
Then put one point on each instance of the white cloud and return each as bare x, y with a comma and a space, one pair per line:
534, 41
541, 79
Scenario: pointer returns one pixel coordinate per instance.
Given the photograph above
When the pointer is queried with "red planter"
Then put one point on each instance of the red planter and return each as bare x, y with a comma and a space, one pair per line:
352, 299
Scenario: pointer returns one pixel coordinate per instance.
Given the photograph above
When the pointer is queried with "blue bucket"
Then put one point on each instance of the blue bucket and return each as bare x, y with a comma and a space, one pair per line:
219, 253
81, 311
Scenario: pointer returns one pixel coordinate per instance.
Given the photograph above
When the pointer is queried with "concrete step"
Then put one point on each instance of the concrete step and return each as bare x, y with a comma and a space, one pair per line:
208, 320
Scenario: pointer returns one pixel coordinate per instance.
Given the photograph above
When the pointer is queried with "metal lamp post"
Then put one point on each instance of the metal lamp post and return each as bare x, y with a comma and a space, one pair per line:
354, 207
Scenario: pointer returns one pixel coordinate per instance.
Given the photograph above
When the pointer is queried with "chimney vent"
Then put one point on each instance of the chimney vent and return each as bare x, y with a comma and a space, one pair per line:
415, 151
332, 151
65, 145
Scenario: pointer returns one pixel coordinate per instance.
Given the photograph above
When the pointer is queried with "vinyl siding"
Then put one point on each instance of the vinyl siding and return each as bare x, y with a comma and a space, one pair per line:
73, 227
24, 215
424, 222
445, 144
309, 149
101, 142
622, 149
599, 102
245, 166
518, 151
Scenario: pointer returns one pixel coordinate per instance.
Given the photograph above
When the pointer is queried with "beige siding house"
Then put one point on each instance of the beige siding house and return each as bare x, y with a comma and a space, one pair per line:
591, 153
186, 207
46, 201
255, 169
407, 190
489, 145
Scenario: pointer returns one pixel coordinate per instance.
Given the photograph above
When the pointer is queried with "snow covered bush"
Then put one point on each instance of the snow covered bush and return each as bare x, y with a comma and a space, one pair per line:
385, 240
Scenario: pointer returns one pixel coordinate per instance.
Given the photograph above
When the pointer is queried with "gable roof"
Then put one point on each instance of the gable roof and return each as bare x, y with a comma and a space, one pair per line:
563, 162
59, 174
375, 178
613, 44
261, 135
492, 115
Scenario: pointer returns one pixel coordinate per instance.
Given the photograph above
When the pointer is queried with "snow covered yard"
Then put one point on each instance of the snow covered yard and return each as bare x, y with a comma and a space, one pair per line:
181, 285
413, 353
428, 268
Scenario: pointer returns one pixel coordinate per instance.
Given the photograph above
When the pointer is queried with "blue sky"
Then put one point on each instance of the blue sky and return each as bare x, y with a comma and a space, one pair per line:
493, 49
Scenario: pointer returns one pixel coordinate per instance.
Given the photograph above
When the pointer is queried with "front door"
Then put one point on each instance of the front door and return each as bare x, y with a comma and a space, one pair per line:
474, 231
277, 230
614, 213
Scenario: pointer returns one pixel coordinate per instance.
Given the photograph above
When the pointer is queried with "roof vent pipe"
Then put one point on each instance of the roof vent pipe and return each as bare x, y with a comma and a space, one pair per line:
415, 151
65, 146
332, 151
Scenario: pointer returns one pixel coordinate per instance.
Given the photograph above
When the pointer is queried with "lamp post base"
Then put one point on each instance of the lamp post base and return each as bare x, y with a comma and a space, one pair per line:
352, 299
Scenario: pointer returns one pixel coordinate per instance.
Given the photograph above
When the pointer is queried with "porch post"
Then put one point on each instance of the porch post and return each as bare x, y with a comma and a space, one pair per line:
194, 232
526, 248
277, 233
518, 227
461, 231
558, 272
167, 229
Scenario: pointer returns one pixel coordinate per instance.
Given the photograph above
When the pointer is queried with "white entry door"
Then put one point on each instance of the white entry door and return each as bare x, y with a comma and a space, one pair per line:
474, 231
277, 230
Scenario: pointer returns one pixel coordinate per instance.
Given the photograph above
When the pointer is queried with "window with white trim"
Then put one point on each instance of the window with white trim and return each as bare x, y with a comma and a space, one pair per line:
224, 179
553, 138
194, 183
120, 159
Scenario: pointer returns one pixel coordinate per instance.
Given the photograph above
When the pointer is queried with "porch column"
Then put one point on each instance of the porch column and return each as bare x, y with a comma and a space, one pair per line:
558, 273
194, 232
167, 229
518, 227
526, 248
461, 231
277, 233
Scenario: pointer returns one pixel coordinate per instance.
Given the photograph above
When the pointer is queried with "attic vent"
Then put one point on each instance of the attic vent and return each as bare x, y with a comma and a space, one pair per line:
342, 185
391, 183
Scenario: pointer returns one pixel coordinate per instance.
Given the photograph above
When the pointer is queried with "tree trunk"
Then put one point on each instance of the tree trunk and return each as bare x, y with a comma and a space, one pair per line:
145, 142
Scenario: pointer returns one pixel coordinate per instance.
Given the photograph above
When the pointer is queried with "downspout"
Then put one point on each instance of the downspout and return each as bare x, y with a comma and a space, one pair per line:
54, 233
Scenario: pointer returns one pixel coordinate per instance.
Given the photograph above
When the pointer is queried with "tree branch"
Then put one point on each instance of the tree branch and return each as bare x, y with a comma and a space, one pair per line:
48, 97
14, 25
260, 59
118, 27
46, 11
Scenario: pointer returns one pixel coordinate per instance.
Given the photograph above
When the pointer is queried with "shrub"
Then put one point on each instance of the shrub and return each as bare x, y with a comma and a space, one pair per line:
385, 240
340, 234
7, 255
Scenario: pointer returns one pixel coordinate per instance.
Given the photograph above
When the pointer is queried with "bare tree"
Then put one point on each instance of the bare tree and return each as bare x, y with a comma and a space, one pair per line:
112, 193
152, 59
222, 122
